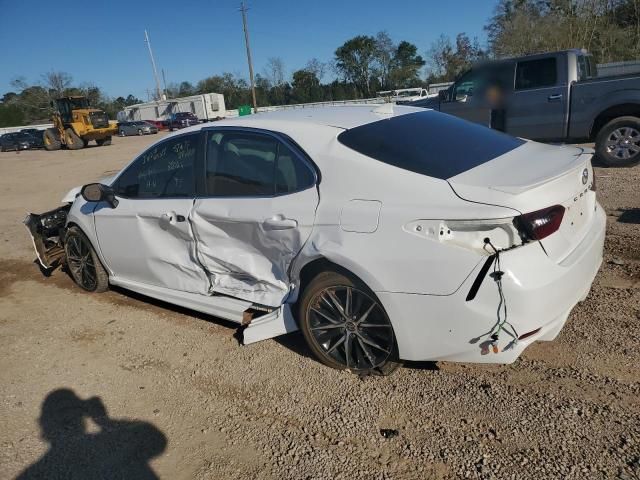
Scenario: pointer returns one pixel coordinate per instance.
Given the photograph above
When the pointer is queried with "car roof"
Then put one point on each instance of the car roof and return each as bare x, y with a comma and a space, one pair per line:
342, 117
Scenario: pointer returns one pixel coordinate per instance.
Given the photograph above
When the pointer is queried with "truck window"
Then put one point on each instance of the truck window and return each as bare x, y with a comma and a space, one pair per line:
536, 73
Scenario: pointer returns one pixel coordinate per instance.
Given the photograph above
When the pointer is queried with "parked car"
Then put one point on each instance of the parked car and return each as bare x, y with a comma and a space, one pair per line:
136, 128
14, 141
181, 120
376, 231
33, 131
554, 96
159, 124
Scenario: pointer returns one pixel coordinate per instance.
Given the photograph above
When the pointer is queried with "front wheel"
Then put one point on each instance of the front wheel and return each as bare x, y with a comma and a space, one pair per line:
51, 140
83, 262
104, 141
73, 141
346, 327
618, 142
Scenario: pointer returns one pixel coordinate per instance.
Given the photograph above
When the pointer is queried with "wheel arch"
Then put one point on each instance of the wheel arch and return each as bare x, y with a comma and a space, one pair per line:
621, 110
314, 266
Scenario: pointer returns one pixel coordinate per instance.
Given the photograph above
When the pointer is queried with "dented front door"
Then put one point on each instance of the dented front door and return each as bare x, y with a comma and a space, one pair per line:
147, 238
257, 212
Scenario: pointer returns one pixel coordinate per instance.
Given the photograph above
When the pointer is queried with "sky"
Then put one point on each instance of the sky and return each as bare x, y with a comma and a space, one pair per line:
103, 42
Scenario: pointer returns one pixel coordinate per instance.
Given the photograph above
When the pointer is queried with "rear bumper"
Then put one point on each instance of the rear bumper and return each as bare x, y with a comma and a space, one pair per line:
539, 293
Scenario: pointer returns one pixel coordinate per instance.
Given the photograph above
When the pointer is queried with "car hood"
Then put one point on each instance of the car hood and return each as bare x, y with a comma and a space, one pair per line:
75, 191
525, 178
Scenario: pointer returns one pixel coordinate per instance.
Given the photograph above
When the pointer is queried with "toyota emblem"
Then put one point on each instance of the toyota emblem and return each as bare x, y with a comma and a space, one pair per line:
585, 176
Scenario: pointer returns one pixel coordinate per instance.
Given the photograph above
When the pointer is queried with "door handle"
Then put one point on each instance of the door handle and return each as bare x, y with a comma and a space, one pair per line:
556, 97
171, 218
279, 222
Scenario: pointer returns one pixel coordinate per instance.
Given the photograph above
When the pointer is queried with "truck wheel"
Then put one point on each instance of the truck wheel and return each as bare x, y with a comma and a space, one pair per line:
618, 142
51, 140
346, 327
104, 141
74, 142
83, 262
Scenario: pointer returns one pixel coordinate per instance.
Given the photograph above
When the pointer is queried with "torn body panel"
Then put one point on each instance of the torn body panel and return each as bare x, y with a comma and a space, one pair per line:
246, 245
47, 233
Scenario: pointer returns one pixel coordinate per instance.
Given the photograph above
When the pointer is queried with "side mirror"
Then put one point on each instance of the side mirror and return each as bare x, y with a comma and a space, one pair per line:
96, 192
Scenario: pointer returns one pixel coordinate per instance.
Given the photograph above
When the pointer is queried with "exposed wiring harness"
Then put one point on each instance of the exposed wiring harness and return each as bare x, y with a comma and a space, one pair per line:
502, 323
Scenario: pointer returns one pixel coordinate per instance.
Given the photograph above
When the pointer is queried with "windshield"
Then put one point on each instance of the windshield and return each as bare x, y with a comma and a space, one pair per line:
78, 103
409, 93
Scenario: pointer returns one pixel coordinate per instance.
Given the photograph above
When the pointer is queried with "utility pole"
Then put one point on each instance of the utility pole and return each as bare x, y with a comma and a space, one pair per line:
243, 9
164, 82
153, 64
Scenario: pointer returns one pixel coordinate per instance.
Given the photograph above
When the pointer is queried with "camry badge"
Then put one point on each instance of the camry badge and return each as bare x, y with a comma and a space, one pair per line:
585, 176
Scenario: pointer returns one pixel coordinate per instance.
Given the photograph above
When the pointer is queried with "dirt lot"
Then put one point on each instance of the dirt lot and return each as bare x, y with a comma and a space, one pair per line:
184, 400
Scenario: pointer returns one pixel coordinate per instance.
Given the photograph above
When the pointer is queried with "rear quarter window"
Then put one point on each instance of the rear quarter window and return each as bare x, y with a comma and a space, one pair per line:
429, 143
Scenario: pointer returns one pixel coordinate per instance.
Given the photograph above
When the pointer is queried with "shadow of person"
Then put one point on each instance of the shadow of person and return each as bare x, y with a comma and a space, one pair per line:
121, 449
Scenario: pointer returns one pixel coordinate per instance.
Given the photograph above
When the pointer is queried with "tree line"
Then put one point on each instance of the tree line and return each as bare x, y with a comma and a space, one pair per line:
365, 65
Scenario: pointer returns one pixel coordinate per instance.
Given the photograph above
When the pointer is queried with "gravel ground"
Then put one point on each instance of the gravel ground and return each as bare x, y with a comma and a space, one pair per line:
119, 386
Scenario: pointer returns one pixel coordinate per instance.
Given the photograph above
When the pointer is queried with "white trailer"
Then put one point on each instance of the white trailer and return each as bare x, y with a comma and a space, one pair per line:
207, 106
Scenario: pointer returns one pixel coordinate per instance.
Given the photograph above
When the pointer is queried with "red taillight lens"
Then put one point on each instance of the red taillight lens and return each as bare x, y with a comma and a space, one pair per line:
542, 223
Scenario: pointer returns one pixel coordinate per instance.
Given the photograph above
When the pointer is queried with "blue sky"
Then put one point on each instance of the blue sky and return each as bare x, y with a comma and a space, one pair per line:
103, 42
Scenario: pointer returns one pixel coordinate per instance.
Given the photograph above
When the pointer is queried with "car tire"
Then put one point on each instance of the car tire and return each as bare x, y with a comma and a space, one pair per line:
615, 141
103, 142
83, 263
339, 339
51, 140
74, 142
140, 132
122, 134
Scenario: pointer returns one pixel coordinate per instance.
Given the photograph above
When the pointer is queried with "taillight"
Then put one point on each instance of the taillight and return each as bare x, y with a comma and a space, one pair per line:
541, 223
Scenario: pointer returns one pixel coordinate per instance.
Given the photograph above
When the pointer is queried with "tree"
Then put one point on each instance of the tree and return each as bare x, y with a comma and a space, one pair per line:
305, 87
355, 61
186, 89
274, 71
610, 29
56, 82
405, 66
385, 51
316, 67
447, 62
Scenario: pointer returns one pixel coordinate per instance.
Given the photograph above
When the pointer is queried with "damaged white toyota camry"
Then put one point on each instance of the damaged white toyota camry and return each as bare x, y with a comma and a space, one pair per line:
383, 233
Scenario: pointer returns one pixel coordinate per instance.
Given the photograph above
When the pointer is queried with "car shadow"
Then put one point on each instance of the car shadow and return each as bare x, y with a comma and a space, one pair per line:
629, 215
120, 448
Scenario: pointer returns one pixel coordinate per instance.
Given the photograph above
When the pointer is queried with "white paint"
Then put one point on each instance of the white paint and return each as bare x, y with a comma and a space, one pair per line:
421, 277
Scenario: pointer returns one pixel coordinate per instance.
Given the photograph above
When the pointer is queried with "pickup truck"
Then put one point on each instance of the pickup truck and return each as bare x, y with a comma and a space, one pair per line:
556, 97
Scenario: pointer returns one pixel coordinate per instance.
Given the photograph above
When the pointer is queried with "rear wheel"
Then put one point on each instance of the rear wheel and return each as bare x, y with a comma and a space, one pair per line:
74, 142
618, 142
139, 131
122, 134
104, 141
346, 327
83, 262
51, 139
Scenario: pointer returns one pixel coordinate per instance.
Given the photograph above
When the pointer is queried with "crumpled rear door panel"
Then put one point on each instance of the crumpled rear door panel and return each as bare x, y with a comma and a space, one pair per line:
246, 245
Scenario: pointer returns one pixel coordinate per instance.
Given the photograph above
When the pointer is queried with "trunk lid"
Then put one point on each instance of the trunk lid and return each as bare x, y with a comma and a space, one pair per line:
532, 177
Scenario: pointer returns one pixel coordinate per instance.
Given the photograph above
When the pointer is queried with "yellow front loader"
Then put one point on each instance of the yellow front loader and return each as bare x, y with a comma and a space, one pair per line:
75, 124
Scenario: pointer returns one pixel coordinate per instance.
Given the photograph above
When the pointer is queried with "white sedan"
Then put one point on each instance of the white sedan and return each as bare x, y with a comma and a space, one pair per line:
384, 233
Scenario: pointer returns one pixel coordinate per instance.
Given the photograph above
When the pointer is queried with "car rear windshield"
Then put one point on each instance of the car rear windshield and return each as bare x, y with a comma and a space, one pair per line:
430, 143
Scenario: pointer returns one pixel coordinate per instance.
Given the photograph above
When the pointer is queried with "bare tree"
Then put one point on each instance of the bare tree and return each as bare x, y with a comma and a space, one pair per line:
56, 82
316, 67
274, 71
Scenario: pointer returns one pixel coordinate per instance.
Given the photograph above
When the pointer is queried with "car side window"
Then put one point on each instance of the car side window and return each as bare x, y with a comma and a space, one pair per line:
166, 170
465, 86
536, 73
252, 164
